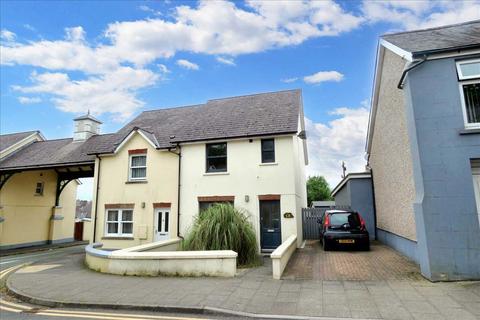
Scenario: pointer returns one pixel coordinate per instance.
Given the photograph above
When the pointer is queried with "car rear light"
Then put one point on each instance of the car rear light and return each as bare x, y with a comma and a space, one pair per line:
327, 221
362, 223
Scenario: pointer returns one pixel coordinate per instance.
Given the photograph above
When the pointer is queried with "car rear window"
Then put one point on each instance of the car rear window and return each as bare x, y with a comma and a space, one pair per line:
338, 219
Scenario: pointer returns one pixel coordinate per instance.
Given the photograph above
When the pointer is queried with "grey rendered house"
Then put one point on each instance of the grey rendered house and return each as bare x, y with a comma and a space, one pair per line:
423, 148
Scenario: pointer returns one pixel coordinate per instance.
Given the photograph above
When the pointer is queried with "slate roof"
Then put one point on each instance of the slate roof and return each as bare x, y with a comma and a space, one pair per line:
440, 39
245, 116
7, 140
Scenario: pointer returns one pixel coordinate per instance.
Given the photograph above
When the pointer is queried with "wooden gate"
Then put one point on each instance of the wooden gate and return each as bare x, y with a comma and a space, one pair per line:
310, 218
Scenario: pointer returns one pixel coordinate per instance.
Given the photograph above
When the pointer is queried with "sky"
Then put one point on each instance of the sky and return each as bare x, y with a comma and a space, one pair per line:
60, 59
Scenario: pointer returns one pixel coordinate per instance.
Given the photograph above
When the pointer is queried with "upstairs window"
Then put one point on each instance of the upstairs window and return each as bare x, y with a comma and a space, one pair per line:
138, 167
268, 150
217, 157
119, 222
39, 189
469, 76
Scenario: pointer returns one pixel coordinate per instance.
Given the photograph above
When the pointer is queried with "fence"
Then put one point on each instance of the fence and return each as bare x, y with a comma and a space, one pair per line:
310, 217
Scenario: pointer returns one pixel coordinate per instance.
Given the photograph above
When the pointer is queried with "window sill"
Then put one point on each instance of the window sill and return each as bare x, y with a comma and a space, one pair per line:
117, 238
135, 181
268, 164
216, 173
469, 131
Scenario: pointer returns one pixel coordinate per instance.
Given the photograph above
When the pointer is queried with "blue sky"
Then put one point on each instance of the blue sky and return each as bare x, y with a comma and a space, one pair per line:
60, 59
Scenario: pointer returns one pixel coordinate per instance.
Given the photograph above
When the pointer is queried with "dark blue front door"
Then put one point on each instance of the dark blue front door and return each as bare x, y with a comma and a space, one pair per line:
270, 233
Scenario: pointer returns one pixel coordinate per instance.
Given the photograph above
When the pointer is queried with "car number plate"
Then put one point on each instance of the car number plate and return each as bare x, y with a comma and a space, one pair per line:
346, 241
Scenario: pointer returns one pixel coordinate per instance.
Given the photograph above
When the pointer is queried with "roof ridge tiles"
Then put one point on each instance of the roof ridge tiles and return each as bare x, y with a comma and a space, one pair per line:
431, 28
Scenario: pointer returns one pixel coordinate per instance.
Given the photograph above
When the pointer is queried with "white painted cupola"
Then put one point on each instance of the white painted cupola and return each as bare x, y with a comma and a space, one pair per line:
85, 127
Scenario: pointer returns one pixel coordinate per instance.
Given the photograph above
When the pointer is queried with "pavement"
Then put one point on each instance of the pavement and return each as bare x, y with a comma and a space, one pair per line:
45, 247
65, 281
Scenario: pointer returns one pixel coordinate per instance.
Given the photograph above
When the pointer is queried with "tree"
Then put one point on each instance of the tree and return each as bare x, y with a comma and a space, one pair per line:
318, 189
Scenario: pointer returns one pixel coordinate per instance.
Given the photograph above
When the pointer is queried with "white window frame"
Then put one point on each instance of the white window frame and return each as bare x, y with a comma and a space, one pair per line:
130, 167
468, 125
459, 70
119, 222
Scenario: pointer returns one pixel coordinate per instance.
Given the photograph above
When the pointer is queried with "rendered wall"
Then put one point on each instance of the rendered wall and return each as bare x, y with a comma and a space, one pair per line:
246, 176
27, 217
449, 243
390, 157
357, 193
161, 186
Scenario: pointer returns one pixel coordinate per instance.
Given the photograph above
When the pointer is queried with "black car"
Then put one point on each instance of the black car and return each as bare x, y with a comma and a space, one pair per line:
346, 228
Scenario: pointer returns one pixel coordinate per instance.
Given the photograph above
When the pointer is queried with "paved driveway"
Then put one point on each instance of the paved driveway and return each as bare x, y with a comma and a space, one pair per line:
380, 263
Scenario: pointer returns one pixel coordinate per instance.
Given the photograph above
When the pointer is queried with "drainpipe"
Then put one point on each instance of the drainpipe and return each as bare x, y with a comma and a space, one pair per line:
96, 199
411, 67
179, 154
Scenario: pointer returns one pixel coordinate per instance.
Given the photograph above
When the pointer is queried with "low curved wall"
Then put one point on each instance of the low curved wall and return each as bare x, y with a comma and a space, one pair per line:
216, 263
282, 255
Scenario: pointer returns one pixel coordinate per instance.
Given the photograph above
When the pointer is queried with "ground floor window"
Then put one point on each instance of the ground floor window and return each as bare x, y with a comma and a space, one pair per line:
119, 222
204, 205
476, 183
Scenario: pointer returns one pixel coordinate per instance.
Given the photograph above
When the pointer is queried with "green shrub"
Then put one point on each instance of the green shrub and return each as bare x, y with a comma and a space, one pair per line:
223, 227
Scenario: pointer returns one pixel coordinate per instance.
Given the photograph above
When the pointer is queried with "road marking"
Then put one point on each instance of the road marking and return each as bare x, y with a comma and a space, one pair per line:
10, 261
17, 308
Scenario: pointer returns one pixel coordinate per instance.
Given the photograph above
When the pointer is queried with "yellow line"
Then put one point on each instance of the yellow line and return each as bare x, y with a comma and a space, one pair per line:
128, 315
9, 309
14, 305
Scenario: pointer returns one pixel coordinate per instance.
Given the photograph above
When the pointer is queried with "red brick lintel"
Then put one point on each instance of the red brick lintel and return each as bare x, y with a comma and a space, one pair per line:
119, 205
137, 151
269, 197
216, 199
162, 205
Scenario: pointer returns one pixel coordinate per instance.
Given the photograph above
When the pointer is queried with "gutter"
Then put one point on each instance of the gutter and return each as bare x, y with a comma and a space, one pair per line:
411, 67
96, 199
179, 154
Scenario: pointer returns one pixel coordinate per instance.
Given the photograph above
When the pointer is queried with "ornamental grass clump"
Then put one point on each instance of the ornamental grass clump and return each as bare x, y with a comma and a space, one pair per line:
223, 227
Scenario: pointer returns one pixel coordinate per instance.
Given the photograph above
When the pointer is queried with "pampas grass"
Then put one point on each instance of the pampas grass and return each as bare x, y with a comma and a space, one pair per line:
223, 227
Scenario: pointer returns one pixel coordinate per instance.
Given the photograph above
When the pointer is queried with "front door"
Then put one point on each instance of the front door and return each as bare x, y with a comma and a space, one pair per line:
270, 233
162, 218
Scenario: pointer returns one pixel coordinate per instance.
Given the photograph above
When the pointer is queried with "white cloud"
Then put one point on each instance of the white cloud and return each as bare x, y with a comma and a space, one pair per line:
408, 15
29, 100
29, 27
7, 35
221, 28
187, 64
150, 10
323, 76
163, 68
85, 190
224, 60
289, 80
342, 139
113, 92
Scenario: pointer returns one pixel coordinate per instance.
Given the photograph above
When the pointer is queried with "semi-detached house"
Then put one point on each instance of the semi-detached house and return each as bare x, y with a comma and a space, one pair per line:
158, 172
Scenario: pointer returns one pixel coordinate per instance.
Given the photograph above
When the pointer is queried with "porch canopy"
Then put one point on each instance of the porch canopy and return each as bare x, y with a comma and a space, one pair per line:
69, 159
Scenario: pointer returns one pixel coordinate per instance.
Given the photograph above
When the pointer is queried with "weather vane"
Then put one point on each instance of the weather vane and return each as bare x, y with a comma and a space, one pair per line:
344, 169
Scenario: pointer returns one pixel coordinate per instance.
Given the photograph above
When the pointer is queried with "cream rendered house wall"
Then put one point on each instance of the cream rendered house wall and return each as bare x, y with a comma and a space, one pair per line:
27, 217
161, 186
390, 157
246, 176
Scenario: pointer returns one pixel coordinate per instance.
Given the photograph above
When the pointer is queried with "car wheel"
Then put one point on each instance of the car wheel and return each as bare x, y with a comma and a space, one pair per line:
326, 246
